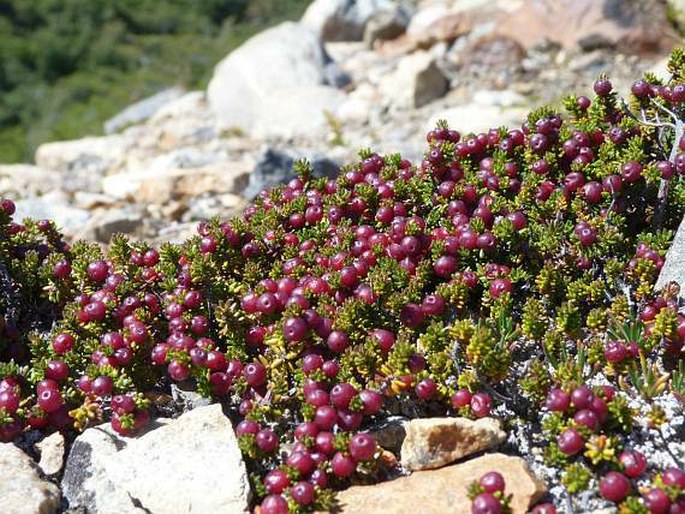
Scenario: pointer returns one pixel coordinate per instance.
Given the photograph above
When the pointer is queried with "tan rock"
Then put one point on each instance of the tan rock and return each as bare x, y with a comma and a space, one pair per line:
416, 82
444, 490
634, 27
435, 442
230, 177
51, 454
21, 489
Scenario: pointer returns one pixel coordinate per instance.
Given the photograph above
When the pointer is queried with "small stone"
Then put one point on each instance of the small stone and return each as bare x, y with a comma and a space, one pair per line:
444, 490
416, 82
21, 489
434, 442
390, 433
51, 454
103, 225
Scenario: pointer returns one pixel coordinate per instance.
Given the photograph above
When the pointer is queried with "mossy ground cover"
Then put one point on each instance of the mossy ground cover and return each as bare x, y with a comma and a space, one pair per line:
510, 273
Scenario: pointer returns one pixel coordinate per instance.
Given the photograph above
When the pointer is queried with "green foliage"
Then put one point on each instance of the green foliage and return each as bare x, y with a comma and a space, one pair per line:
67, 66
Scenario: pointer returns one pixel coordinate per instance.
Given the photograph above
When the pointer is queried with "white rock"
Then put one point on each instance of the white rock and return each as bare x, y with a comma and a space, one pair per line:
191, 465
297, 112
505, 98
21, 489
342, 20
477, 118
187, 104
54, 206
51, 454
416, 82
23, 180
424, 19
287, 56
87, 482
142, 110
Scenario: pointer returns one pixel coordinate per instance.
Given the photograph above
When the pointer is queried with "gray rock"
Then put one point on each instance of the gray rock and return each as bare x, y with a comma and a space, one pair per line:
106, 223
276, 167
54, 206
86, 482
390, 433
191, 465
416, 82
674, 266
185, 394
25, 180
142, 110
285, 57
21, 489
297, 112
51, 454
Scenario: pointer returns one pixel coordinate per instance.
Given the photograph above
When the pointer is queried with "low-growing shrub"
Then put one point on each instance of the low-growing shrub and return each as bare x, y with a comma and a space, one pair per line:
510, 273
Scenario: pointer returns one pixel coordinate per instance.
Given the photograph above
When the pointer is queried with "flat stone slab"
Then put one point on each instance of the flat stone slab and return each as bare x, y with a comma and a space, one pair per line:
674, 265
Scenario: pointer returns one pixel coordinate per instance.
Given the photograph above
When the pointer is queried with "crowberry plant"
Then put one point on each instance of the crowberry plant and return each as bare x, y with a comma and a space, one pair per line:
509, 273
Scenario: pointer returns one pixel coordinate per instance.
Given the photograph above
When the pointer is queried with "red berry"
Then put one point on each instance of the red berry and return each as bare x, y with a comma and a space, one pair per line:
614, 486
481, 404
657, 501
362, 447
486, 503
426, 388
302, 492
343, 465
570, 441
492, 482
274, 504
634, 463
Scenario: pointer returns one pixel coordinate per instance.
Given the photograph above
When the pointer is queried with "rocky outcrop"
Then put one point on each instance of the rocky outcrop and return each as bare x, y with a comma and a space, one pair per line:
21, 489
352, 74
435, 442
443, 490
167, 469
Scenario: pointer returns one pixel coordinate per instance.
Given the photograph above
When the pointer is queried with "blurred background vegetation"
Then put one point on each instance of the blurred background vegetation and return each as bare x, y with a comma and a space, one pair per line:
68, 65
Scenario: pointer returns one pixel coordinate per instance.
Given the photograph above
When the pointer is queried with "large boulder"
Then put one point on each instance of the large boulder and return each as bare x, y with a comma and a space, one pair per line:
25, 180
444, 490
21, 488
283, 58
192, 465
